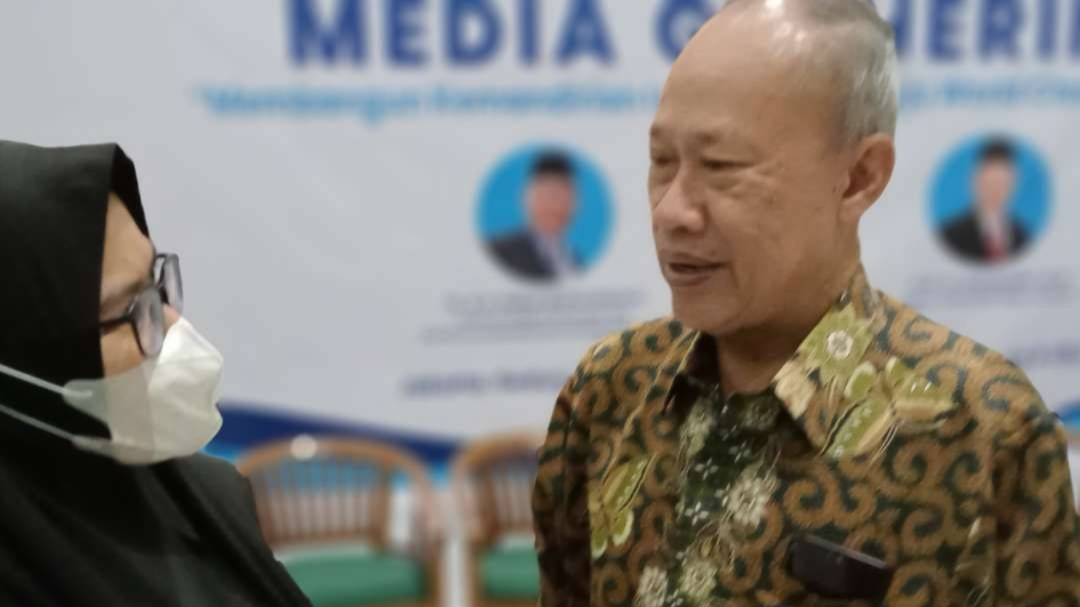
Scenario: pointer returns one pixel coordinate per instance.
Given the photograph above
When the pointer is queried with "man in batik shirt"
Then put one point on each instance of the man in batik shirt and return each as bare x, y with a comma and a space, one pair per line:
788, 405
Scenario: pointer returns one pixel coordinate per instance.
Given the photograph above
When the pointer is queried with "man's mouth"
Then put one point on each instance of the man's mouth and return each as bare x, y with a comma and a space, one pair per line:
687, 270
694, 268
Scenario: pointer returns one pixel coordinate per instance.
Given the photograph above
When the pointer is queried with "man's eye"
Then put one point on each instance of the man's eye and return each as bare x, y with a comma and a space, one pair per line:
712, 164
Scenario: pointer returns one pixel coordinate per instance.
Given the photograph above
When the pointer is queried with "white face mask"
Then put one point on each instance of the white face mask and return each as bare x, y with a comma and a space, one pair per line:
162, 409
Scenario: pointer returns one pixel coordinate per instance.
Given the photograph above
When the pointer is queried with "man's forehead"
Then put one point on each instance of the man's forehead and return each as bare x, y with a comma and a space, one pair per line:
702, 133
778, 30
755, 46
552, 179
718, 109
724, 95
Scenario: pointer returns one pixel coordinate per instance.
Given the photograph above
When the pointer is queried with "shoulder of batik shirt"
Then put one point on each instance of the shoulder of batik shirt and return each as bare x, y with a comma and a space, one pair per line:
633, 366
981, 382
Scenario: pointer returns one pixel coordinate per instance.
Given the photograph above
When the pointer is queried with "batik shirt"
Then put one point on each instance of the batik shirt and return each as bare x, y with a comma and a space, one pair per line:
884, 433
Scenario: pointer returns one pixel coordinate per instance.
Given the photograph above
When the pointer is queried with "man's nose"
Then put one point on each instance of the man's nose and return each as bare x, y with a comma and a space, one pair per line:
680, 208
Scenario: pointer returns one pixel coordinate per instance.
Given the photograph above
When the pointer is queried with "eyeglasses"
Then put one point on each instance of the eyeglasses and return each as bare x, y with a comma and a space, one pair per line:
169, 282
146, 314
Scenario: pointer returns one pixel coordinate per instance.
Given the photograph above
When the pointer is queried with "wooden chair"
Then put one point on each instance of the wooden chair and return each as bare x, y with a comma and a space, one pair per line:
325, 508
492, 483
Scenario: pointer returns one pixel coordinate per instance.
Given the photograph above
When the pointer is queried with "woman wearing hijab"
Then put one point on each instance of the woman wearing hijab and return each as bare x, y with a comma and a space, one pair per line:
106, 396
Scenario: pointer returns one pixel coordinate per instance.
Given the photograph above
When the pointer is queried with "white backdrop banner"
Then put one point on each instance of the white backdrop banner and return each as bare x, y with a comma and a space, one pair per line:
348, 182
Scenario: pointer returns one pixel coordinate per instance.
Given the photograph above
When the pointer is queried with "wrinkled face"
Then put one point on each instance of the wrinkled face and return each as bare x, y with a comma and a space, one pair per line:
125, 270
994, 185
551, 202
746, 177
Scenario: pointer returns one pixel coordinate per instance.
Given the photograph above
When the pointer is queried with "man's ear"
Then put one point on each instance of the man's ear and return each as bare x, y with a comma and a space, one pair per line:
869, 173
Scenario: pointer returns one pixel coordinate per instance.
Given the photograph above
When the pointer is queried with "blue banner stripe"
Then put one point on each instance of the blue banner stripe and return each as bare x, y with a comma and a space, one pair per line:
247, 425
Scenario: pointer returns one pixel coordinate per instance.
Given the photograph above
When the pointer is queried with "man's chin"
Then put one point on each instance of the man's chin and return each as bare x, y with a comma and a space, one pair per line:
712, 318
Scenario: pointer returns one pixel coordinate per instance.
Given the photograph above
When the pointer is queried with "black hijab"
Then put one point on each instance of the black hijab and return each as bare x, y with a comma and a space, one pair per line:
78, 528
52, 236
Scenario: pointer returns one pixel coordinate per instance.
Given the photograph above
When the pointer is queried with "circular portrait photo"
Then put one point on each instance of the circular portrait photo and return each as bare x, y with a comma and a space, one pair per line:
545, 214
991, 198
1070, 415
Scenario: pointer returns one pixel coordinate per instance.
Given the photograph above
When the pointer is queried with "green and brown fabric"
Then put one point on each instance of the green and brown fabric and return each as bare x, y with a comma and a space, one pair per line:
885, 432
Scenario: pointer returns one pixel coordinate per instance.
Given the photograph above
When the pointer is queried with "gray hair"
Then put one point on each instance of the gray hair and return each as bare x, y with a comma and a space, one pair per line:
860, 47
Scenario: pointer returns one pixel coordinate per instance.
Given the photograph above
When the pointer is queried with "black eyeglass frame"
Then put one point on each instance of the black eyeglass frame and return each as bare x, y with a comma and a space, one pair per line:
160, 296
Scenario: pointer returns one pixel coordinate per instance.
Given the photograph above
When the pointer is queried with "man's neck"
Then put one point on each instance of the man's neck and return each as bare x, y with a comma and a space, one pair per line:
751, 358
546, 236
991, 223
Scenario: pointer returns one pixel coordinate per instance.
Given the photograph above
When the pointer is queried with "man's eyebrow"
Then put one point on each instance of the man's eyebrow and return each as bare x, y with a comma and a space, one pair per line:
120, 296
701, 137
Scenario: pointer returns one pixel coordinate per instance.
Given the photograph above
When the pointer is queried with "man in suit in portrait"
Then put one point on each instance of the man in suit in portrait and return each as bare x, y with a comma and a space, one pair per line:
988, 233
539, 250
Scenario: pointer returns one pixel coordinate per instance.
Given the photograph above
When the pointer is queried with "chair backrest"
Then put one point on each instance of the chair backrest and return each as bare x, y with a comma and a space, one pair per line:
313, 490
493, 481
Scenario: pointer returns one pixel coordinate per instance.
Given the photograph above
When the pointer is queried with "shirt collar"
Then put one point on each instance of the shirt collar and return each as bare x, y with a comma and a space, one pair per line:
992, 225
810, 385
